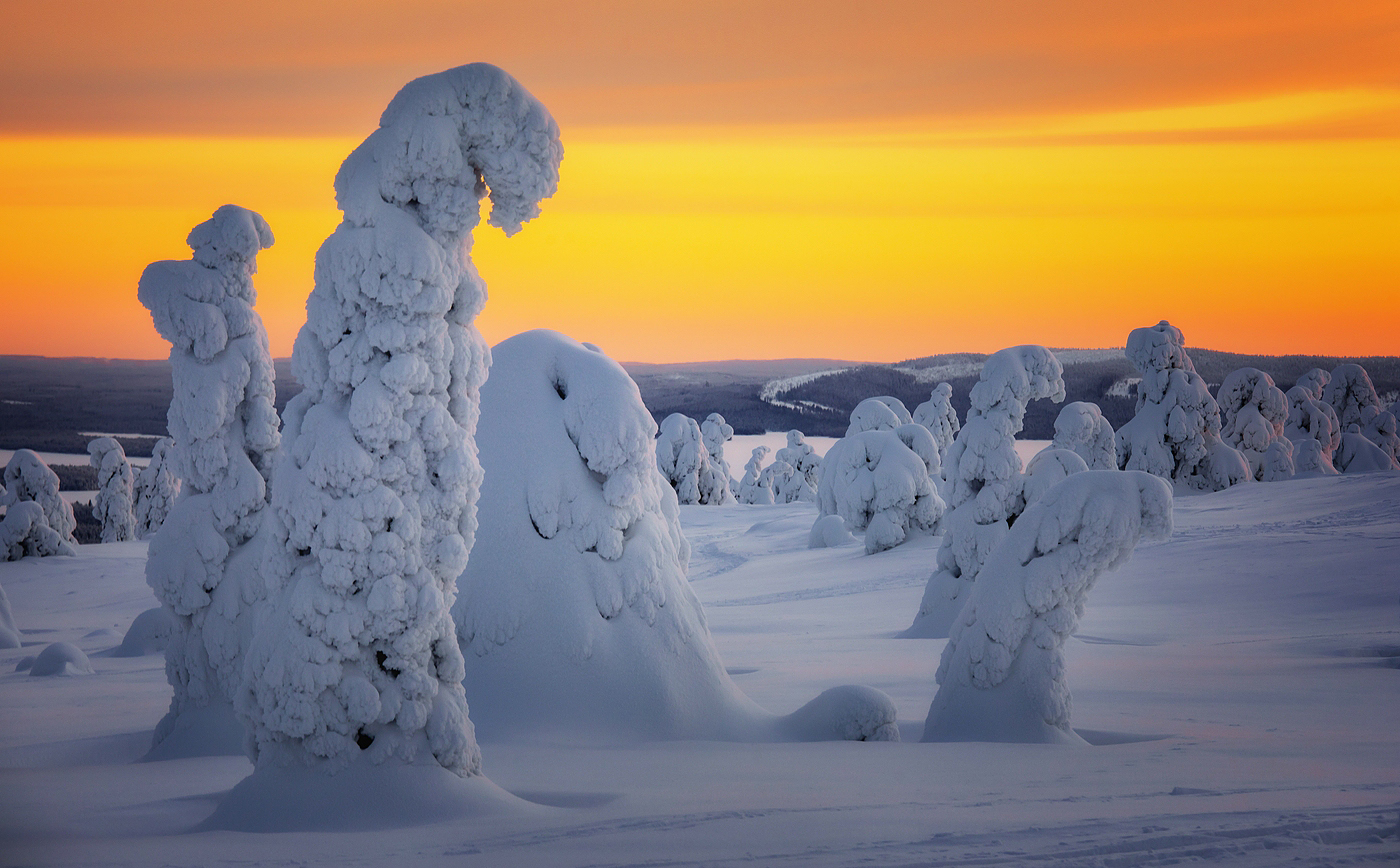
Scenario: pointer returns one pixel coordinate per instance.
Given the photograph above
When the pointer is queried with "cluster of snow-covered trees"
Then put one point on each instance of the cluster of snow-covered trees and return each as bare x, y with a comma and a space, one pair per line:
38, 521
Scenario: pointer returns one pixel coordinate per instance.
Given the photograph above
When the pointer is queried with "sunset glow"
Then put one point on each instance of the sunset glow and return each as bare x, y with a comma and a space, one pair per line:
1245, 217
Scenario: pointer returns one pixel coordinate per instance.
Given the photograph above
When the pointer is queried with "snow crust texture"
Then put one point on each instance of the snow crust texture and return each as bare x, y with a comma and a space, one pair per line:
375, 503
202, 563
28, 478
1175, 433
1253, 413
576, 616
157, 486
880, 481
116, 496
1002, 673
1082, 429
983, 475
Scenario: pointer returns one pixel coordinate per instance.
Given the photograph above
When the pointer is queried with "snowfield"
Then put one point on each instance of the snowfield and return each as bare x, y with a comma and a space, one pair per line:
1239, 685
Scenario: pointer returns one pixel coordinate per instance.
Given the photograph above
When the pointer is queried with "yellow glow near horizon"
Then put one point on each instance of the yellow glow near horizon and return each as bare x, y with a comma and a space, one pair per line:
745, 242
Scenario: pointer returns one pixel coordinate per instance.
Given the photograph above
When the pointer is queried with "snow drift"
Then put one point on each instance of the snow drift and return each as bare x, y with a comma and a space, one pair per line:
575, 615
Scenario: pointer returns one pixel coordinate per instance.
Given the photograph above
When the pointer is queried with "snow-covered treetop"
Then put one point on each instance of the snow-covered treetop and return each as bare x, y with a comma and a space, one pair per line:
938, 416
27, 477
1253, 412
716, 432
445, 141
1082, 429
881, 413
230, 240
1048, 468
1314, 382
1154, 350
1350, 392
1012, 378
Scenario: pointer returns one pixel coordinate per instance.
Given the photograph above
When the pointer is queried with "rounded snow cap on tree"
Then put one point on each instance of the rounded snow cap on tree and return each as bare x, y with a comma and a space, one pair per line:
881, 413
1158, 348
234, 235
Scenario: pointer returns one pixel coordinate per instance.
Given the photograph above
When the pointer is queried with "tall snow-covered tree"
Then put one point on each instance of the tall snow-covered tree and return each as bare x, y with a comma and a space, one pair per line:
684, 459
1175, 433
202, 562
27, 477
1002, 674
1253, 413
374, 506
796, 470
1350, 392
716, 432
880, 481
575, 613
1381, 429
938, 416
1312, 426
756, 486
157, 486
1082, 429
983, 474
113, 507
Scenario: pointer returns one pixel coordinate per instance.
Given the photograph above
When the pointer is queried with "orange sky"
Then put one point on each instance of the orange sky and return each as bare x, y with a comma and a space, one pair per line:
750, 179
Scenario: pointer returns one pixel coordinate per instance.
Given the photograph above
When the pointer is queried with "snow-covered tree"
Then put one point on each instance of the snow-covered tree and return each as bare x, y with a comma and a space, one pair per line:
1278, 463
878, 481
27, 477
796, 471
757, 485
1082, 429
157, 486
1356, 454
225, 429
716, 432
983, 478
373, 509
938, 416
115, 490
1253, 412
1380, 428
575, 611
684, 460
1350, 393
1176, 431
1309, 418
1314, 382
881, 413
1047, 469
25, 532
1002, 674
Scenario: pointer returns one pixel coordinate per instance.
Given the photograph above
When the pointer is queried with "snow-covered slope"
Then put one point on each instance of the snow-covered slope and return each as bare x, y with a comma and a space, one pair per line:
1238, 683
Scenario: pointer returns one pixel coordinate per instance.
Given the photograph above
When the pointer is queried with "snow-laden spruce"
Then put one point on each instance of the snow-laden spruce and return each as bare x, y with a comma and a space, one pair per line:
1082, 429
203, 563
1253, 412
1279, 463
881, 413
1350, 393
1381, 429
575, 614
114, 506
1312, 427
757, 484
28, 478
716, 432
1048, 468
683, 456
938, 416
157, 486
1002, 674
880, 481
1175, 433
983, 478
25, 532
796, 471
374, 503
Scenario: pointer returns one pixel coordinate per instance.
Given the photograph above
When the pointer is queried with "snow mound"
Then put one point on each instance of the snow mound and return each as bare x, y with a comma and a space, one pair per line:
878, 481
25, 533
149, 633
61, 658
1356, 454
1082, 429
829, 532
115, 503
1002, 673
575, 615
27, 477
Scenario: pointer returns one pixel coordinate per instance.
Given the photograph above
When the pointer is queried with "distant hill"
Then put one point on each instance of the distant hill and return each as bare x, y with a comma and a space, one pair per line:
48, 404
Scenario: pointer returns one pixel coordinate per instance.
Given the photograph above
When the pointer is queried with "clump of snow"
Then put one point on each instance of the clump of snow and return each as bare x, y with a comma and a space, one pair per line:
24, 532
113, 507
878, 481
157, 486
1176, 431
757, 484
938, 416
1082, 429
575, 612
149, 633
9, 633
61, 658
829, 532
881, 413
796, 471
27, 477
1351, 394
374, 508
1253, 412
983, 475
1047, 469
202, 562
685, 459
1002, 673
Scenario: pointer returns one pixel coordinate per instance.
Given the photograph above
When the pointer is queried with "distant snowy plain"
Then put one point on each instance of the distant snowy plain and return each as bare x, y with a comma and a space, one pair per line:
1240, 683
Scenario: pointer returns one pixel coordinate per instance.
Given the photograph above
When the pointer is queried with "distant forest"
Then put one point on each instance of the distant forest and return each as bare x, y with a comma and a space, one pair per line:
47, 404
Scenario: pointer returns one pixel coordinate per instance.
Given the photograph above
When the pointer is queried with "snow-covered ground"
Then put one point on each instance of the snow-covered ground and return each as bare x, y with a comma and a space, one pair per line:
1241, 683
